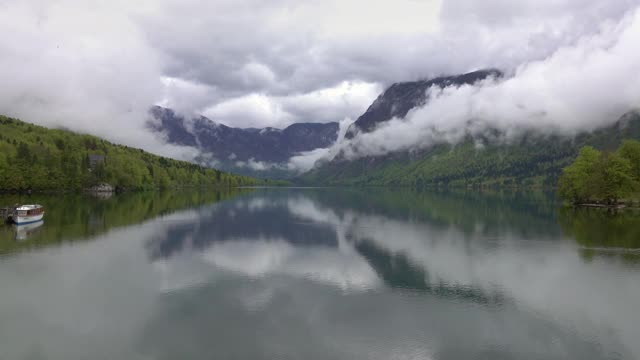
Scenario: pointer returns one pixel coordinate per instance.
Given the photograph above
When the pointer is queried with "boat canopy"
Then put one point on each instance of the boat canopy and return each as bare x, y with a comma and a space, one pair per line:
29, 207
29, 210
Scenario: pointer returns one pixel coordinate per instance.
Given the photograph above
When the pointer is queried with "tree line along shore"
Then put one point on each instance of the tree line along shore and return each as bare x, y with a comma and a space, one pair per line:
35, 158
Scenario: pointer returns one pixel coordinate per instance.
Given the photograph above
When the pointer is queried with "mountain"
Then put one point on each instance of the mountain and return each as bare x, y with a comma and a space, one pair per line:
533, 159
233, 148
400, 98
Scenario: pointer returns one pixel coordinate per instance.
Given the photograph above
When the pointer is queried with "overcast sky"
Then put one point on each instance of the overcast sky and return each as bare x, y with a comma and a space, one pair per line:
96, 66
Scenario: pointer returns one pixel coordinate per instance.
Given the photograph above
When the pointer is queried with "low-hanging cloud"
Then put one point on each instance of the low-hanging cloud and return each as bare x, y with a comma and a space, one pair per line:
62, 65
305, 161
578, 88
98, 67
323, 105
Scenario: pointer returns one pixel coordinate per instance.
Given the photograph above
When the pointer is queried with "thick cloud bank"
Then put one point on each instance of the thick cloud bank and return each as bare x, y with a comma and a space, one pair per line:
578, 88
98, 66
82, 66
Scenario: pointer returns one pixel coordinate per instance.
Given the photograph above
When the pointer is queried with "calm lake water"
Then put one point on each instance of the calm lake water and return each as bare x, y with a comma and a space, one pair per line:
319, 274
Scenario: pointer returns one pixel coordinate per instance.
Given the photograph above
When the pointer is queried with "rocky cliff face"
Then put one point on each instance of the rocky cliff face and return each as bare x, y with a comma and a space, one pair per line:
234, 145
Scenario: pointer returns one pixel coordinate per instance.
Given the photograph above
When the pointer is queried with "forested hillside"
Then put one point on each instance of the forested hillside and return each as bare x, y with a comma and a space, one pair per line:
530, 160
38, 158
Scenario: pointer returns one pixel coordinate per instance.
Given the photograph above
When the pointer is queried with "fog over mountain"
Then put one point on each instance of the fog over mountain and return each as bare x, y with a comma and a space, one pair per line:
568, 65
250, 151
582, 87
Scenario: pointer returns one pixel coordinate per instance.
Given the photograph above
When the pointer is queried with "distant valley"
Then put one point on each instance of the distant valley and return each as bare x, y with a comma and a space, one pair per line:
257, 152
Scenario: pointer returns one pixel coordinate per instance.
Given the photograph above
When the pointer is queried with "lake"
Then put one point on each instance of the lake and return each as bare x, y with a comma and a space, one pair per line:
319, 274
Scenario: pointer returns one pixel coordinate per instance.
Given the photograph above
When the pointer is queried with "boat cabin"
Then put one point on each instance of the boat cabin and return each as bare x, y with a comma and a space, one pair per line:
29, 210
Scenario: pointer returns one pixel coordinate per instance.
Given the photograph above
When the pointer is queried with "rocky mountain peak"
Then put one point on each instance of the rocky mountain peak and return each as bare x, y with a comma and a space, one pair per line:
400, 98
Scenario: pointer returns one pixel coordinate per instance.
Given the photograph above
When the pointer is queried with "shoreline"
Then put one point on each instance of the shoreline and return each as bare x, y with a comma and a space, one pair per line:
90, 191
620, 206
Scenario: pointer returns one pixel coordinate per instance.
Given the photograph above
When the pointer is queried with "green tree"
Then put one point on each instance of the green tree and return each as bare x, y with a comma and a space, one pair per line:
160, 177
574, 183
616, 178
42, 158
630, 150
601, 177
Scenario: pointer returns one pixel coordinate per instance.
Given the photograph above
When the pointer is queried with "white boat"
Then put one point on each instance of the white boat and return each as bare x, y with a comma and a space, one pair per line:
27, 214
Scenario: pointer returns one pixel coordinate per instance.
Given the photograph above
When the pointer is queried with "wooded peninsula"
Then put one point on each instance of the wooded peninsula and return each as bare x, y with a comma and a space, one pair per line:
40, 159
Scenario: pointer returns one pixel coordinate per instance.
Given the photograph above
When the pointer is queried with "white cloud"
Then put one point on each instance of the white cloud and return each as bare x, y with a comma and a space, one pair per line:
257, 165
578, 88
346, 99
336, 18
324, 105
89, 80
258, 75
248, 111
186, 97
306, 160
97, 67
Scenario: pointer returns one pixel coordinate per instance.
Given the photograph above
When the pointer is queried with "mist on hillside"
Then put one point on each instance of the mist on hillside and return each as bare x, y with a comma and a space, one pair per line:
570, 66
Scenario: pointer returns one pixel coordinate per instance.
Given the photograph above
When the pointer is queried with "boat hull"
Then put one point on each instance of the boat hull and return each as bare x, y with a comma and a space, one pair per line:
22, 220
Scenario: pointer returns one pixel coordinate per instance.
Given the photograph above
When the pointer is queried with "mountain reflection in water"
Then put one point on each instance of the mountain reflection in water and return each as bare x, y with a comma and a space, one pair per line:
505, 251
